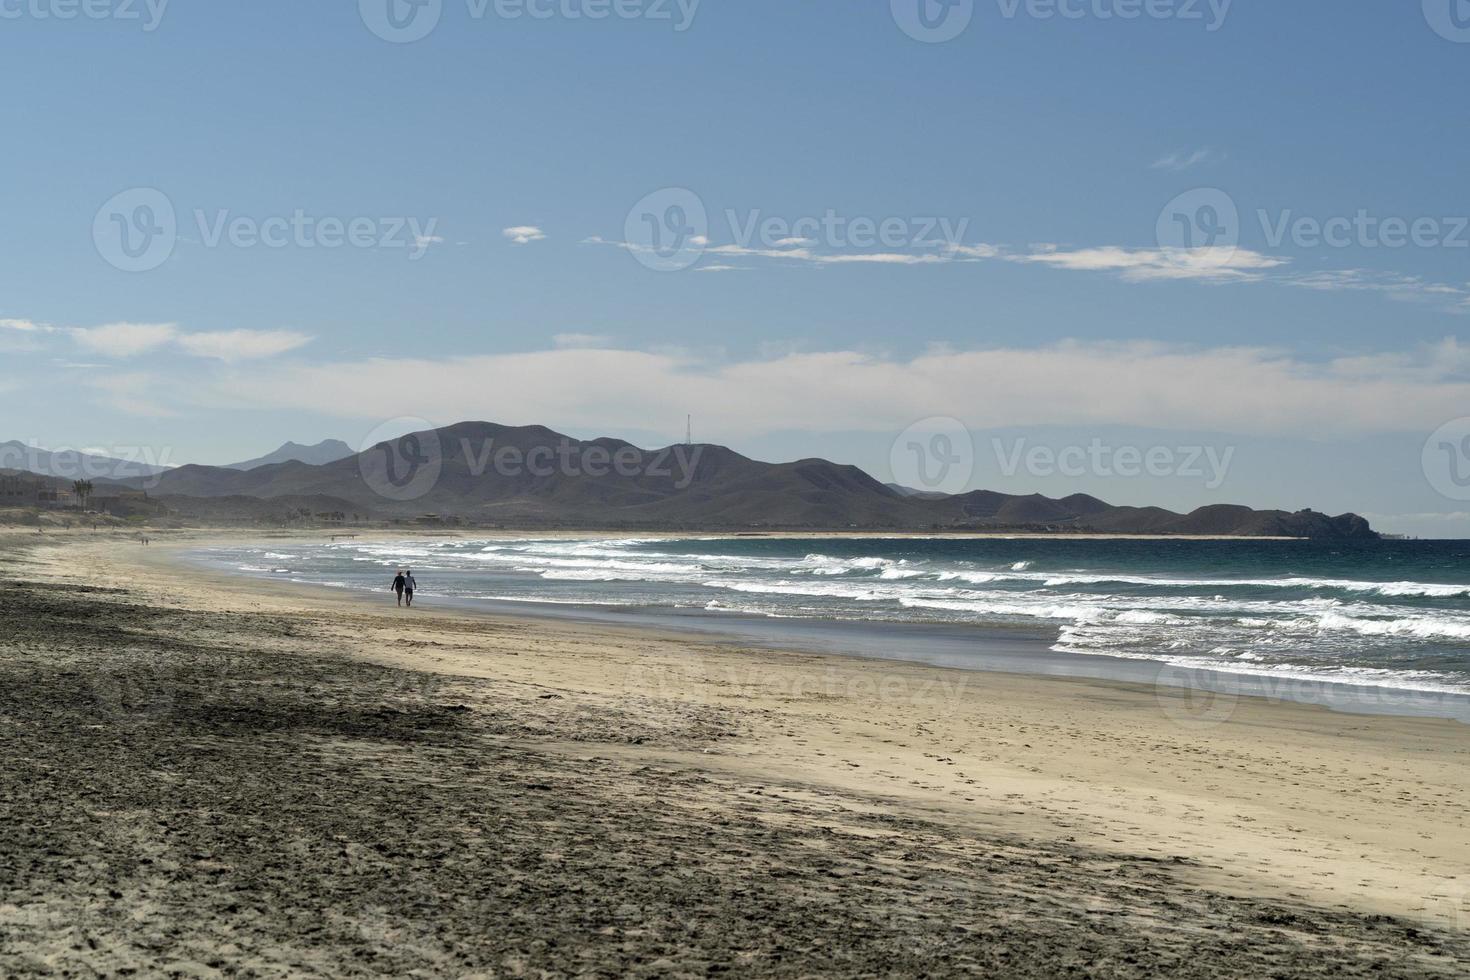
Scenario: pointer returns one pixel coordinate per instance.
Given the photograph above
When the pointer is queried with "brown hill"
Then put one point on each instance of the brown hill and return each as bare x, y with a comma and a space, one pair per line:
487, 473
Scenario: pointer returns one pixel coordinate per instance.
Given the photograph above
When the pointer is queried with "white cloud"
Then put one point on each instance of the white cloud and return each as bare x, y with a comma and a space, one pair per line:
787, 250
1145, 264
524, 234
1415, 289
25, 326
1231, 390
242, 345
1182, 160
21, 336
124, 339
1205, 265
581, 341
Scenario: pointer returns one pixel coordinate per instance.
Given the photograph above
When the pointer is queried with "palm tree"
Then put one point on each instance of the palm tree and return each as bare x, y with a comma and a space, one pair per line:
83, 490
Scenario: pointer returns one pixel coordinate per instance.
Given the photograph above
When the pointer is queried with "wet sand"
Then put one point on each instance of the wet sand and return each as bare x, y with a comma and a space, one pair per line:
211, 775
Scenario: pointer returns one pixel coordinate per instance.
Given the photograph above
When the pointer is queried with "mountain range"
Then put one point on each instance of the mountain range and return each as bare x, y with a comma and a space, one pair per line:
71, 464
482, 472
326, 451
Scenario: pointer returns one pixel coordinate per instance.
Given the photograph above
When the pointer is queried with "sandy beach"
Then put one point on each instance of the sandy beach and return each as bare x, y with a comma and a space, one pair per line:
215, 776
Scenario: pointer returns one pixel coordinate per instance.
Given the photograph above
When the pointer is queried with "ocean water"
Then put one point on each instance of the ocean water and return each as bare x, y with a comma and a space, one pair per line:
1394, 614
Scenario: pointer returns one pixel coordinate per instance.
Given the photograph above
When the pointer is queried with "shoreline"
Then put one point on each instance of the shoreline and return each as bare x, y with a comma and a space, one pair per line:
1022, 650
1214, 802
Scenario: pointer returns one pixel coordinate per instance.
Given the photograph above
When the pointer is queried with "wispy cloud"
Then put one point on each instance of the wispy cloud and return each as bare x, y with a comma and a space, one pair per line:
1414, 289
1145, 264
524, 234
581, 341
1181, 160
125, 340
1130, 264
25, 326
242, 345
21, 336
800, 251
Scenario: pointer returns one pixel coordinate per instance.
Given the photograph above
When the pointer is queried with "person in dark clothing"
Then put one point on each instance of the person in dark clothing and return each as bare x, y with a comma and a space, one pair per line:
399, 584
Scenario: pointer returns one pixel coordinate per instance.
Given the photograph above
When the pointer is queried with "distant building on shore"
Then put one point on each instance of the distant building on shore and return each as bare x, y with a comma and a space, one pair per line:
56, 498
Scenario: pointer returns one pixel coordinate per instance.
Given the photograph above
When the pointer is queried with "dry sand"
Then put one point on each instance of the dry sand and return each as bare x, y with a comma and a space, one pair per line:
217, 776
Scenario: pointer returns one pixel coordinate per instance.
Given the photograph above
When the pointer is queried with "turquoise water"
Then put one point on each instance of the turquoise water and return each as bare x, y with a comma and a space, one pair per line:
1393, 614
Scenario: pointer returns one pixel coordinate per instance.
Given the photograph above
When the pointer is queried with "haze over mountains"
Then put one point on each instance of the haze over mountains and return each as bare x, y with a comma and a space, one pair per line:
481, 472
70, 464
326, 451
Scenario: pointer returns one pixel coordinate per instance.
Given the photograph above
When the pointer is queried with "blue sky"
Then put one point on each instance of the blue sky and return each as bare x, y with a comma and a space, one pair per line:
1062, 315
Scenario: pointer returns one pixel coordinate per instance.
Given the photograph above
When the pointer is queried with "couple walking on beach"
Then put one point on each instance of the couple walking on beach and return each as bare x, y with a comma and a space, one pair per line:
404, 585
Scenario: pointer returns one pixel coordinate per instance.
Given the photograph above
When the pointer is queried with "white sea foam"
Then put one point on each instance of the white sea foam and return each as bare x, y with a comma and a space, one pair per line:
1322, 627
